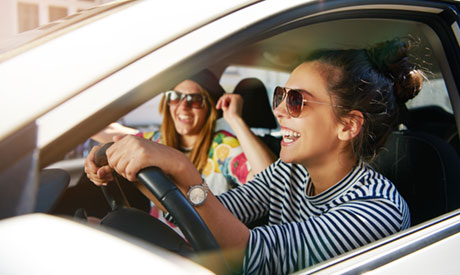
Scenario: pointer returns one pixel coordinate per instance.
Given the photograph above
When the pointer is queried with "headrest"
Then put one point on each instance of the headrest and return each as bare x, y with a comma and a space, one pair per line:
257, 112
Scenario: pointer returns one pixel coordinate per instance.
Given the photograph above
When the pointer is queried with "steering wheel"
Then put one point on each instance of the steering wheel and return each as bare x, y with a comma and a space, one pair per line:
186, 217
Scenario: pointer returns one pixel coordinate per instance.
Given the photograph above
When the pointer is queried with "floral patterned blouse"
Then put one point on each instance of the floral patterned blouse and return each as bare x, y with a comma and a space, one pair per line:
227, 166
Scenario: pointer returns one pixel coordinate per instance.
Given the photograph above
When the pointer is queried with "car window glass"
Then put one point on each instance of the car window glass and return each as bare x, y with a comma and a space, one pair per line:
146, 117
433, 93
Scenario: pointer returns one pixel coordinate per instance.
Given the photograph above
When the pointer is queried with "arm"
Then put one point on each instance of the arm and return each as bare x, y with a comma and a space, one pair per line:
257, 153
114, 129
131, 154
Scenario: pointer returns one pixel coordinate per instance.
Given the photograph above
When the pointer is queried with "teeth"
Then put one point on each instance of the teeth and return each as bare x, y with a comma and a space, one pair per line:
184, 117
289, 135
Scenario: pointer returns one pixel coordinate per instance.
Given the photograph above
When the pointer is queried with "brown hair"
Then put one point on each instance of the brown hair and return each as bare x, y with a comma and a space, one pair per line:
377, 82
169, 136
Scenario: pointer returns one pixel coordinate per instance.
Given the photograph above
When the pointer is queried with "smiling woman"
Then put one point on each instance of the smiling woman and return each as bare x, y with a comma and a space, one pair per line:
189, 117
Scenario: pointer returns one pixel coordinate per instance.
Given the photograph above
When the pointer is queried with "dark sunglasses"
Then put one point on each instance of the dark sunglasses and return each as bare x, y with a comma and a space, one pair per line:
195, 101
294, 100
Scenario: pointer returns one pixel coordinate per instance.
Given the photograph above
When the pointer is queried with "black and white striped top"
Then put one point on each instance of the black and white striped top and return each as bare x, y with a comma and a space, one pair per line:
304, 230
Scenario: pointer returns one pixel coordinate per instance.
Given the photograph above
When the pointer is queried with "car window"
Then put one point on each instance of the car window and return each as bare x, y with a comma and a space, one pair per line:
433, 93
146, 117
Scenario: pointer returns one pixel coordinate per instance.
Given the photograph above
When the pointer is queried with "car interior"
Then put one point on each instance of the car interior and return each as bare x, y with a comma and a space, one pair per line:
421, 157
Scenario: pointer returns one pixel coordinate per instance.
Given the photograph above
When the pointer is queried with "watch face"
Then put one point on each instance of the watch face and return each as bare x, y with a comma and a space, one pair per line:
197, 195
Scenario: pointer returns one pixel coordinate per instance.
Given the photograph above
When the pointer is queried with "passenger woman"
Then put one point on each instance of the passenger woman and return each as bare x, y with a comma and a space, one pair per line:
322, 197
189, 118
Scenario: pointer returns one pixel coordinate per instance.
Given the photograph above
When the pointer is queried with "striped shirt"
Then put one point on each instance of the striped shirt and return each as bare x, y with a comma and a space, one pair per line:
305, 230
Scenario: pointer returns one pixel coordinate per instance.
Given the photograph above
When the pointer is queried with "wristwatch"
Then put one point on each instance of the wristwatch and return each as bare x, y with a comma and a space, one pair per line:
197, 193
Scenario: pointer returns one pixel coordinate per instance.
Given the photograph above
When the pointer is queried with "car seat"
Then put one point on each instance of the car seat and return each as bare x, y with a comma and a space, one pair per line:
257, 111
437, 121
426, 171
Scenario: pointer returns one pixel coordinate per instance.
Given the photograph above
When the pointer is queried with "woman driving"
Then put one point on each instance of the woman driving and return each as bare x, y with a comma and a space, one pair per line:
322, 198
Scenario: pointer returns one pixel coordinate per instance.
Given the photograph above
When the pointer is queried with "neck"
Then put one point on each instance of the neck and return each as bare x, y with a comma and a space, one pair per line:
325, 174
188, 141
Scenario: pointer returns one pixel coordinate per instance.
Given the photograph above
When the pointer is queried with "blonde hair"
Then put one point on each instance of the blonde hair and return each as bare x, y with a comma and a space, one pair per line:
169, 136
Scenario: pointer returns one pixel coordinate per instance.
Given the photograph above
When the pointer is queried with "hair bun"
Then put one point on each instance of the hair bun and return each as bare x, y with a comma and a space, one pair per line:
391, 58
408, 85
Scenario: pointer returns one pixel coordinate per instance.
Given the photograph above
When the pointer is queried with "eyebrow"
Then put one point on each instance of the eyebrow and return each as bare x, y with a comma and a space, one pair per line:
302, 90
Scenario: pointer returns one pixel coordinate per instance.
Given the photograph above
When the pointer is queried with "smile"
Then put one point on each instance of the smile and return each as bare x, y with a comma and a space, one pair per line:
289, 136
185, 118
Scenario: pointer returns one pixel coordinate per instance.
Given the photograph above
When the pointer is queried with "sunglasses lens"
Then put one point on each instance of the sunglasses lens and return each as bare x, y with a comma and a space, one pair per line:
174, 97
294, 102
278, 97
195, 101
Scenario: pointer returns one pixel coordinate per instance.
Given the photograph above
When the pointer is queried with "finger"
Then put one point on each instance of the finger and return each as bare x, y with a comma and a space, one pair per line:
95, 179
90, 166
225, 103
118, 137
105, 173
132, 167
219, 103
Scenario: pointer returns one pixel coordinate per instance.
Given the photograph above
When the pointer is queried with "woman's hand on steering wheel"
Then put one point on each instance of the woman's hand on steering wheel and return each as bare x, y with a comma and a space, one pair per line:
100, 176
131, 154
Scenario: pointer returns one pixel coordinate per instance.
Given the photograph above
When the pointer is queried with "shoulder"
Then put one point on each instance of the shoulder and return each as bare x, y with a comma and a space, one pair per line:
224, 137
373, 186
376, 183
281, 174
223, 133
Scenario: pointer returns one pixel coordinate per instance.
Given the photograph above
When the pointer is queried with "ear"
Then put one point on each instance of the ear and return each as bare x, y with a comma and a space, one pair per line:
351, 125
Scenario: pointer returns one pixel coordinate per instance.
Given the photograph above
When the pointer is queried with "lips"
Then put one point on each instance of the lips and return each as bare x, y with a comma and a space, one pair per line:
289, 136
185, 118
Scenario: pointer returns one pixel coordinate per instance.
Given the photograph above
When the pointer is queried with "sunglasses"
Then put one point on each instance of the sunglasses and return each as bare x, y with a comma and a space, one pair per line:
195, 101
294, 100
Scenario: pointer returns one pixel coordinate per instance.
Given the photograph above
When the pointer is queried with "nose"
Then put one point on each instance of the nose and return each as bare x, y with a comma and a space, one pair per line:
280, 111
183, 103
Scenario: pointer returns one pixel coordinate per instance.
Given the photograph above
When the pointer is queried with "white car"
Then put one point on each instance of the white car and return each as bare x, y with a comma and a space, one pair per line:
63, 82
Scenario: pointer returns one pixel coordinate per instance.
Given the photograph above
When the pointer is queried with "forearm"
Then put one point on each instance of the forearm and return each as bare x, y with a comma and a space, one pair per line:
256, 152
230, 233
114, 129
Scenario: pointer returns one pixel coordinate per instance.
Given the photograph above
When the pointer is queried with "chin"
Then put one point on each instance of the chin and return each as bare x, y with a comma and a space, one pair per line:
291, 155
285, 156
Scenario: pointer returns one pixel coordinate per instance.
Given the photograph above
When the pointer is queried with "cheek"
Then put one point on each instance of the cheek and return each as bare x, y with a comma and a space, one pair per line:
201, 116
172, 110
320, 130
